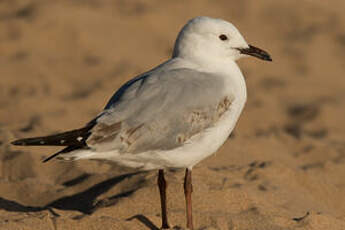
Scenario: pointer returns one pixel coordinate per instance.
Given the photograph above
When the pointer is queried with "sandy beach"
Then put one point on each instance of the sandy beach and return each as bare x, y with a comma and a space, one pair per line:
283, 168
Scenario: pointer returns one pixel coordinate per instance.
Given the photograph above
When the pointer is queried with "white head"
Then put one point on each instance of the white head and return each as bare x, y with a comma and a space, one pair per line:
210, 38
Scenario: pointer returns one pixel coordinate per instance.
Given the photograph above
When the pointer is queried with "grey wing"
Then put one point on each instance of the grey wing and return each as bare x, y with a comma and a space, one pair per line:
160, 111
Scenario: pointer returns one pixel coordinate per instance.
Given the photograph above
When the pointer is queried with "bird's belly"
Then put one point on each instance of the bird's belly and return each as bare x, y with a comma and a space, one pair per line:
203, 144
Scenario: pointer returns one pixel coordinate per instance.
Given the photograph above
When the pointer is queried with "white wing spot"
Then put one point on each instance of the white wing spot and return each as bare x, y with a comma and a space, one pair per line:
79, 139
42, 142
62, 141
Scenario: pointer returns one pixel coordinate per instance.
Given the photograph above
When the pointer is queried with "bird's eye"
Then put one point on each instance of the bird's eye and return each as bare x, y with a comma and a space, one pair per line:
223, 37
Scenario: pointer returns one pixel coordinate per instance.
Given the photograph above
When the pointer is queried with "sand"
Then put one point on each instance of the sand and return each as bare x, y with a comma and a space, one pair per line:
282, 169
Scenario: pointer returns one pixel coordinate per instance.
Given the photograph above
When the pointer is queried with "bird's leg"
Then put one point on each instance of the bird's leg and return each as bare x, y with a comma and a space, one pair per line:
162, 184
188, 189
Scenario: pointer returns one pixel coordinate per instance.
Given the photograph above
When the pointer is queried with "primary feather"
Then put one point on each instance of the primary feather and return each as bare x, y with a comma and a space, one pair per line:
75, 137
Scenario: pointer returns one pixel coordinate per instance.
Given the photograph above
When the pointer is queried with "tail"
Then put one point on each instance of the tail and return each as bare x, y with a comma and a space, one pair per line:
74, 139
65, 150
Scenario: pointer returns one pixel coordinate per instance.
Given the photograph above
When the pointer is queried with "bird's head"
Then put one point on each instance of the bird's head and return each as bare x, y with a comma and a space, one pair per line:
210, 38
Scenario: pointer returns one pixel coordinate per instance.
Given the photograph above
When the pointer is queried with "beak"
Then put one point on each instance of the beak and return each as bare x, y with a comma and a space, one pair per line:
255, 52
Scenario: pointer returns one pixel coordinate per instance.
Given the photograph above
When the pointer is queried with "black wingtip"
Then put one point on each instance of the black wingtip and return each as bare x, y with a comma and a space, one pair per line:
47, 159
65, 150
18, 142
51, 157
268, 58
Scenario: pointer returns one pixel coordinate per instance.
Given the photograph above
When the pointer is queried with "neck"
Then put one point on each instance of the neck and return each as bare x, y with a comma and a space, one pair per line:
215, 65
229, 69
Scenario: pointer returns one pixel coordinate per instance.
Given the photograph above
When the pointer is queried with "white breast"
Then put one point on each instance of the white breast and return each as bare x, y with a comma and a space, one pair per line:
203, 144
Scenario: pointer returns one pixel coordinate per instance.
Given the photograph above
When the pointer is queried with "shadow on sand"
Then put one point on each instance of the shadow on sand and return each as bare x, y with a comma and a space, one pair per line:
83, 201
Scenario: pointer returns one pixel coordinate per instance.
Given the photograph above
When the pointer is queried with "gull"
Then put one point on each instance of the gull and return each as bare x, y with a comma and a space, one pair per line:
172, 116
